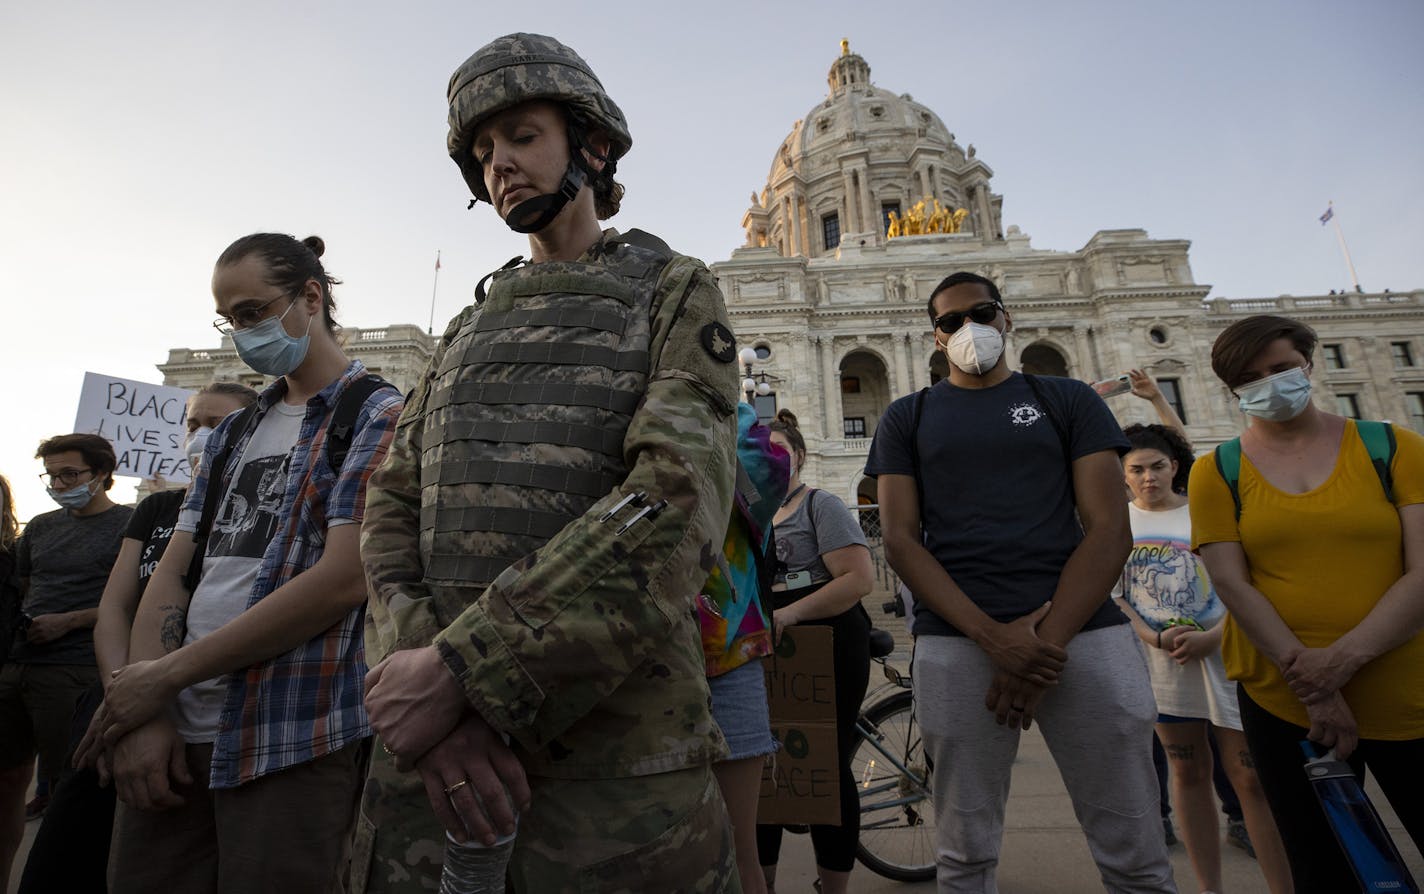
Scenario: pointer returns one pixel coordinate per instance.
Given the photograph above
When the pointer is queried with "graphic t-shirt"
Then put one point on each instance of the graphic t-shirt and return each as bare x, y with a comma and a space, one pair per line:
999, 511
246, 522
152, 525
67, 559
820, 524
1164, 578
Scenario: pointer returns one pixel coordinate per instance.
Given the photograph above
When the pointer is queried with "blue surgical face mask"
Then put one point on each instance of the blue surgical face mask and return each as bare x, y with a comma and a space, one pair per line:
1277, 398
75, 498
267, 347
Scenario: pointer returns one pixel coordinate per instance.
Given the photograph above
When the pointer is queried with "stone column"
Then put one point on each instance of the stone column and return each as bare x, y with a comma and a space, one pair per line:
832, 425
870, 217
793, 220
923, 176
848, 191
920, 347
805, 225
986, 213
902, 385
1085, 364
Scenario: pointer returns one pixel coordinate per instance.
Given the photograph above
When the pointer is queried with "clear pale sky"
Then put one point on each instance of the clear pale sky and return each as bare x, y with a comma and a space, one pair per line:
139, 139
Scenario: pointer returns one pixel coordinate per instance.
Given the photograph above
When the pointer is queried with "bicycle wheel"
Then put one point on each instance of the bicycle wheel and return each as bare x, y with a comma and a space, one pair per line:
892, 774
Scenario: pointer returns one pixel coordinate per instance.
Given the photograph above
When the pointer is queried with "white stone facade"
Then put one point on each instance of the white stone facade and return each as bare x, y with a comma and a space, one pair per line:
844, 329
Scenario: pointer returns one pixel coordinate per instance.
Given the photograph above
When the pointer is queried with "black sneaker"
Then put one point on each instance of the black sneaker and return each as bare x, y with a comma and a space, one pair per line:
1168, 835
1236, 837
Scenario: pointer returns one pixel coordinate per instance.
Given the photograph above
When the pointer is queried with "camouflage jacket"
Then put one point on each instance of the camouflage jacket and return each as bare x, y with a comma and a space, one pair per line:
488, 529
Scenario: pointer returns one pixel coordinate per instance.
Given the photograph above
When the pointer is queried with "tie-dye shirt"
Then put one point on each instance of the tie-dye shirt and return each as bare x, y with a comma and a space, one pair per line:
735, 625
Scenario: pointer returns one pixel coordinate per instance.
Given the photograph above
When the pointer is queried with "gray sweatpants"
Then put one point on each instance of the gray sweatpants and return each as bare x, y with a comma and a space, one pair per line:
1098, 725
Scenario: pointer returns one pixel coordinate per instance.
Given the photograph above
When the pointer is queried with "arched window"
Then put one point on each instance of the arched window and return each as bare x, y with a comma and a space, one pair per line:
1040, 359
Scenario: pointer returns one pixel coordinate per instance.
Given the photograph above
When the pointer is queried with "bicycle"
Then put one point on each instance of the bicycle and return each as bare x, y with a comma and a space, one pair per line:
892, 773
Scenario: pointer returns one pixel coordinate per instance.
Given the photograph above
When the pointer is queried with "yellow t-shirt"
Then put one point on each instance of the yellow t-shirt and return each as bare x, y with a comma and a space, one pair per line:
1323, 558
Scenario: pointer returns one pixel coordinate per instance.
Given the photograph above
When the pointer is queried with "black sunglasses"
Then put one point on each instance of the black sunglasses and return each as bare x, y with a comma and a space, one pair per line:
980, 313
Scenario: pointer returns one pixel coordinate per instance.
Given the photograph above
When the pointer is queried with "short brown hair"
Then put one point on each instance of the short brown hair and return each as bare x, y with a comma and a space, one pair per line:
1240, 342
98, 453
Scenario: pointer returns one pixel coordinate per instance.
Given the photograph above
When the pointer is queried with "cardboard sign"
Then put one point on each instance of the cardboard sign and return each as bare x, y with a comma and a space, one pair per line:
144, 422
801, 783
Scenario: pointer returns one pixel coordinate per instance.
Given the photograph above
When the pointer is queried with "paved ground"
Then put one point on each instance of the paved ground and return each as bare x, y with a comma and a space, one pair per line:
1044, 851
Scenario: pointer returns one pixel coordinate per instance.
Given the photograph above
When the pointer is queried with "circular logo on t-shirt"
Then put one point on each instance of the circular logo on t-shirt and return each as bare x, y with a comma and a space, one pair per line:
1025, 414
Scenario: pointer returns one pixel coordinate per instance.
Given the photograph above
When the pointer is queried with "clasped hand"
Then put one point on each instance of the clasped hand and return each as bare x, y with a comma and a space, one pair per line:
414, 702
475, 782
1316, 674
1185, 643
1015, 647
136, 694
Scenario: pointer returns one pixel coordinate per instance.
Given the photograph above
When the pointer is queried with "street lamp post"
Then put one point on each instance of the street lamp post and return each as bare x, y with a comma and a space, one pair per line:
752, 385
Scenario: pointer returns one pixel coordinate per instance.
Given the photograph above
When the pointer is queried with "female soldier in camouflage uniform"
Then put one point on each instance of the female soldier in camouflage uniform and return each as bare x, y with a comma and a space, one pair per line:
558, 488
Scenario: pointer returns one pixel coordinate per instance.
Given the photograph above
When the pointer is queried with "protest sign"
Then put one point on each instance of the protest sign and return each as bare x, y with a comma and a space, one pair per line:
144, 422
801, 783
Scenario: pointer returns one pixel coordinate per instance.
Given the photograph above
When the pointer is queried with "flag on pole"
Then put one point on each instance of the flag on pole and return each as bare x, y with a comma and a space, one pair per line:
437, 260
1329, 213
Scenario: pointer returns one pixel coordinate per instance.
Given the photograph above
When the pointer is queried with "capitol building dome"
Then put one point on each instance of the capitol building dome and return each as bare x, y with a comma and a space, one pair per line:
858, 157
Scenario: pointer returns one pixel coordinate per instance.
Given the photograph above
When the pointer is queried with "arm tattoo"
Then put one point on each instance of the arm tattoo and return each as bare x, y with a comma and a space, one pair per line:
1246, 759
175, 625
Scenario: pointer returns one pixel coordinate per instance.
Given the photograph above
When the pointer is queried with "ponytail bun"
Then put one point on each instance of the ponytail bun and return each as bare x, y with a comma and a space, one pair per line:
316, 244
787, 418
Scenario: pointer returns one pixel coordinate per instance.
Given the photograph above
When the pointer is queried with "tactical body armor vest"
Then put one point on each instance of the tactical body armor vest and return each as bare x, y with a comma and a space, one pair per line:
528, 410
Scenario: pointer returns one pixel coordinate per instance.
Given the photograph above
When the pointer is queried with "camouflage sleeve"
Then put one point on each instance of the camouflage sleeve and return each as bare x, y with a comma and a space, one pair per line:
400, 613
558, 631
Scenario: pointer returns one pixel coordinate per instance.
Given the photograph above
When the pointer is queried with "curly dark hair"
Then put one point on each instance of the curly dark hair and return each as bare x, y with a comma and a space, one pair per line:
1166, 441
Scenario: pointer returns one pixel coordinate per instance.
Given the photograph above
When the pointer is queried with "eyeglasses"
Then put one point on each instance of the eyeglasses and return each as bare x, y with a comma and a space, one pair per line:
980, 313
247, 316
66, 478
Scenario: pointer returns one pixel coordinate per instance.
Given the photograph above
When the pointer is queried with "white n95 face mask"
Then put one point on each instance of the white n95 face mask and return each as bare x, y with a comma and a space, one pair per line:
975, 348
194, 445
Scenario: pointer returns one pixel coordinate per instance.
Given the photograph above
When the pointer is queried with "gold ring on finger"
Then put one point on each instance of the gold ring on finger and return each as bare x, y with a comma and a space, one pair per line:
451, 789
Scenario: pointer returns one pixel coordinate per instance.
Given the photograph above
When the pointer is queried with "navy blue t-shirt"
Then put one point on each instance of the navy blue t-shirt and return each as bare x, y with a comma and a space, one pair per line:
999, 513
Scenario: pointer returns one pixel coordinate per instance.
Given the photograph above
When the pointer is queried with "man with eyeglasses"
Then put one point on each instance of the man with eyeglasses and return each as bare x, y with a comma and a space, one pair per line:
63, 561
1003, 510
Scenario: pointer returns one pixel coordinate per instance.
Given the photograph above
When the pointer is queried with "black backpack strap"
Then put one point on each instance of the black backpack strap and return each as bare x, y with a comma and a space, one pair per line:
342, 427
915, 418
1059, 429
212, 497
643, 239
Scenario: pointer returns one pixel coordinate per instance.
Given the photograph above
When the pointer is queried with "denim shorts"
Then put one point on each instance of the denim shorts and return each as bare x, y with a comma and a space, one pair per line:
740, 709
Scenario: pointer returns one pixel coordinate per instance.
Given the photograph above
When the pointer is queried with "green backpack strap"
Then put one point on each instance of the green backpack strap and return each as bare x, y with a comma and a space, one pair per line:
1378, 438
1228, 463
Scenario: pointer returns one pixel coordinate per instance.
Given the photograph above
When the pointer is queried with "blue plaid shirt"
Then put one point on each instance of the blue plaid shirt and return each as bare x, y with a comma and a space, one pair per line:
307, 703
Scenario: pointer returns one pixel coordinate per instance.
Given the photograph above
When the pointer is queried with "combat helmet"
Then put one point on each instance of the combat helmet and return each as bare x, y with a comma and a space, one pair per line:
517, 68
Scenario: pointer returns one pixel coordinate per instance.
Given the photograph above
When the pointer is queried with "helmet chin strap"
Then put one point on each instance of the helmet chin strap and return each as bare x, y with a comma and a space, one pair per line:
533, 215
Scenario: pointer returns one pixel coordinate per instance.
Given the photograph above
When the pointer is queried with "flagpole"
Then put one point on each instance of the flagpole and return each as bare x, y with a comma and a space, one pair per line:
1345, 249
433, 286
